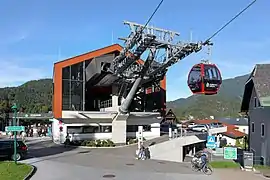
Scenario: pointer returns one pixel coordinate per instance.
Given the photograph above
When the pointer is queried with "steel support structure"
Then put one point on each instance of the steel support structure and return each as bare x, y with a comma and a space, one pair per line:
151, 40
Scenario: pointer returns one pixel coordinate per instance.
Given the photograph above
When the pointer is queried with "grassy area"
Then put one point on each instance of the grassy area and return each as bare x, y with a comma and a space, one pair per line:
224, 164
11, 171
259, 167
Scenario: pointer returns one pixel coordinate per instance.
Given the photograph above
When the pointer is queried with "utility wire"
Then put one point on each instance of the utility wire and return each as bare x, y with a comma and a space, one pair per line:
229, 22
152, 15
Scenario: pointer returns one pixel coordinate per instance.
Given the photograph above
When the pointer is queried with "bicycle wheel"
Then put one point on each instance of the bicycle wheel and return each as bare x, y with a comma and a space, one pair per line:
194, 167
207, 169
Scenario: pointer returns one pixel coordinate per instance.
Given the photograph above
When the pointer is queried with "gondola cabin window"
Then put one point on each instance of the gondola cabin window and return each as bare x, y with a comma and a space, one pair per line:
204, 79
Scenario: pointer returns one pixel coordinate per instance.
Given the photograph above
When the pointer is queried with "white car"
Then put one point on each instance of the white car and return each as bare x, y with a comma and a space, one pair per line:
200, 128
191, 125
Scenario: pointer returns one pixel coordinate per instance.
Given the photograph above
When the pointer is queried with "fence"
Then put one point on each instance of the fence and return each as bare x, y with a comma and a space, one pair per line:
106, 103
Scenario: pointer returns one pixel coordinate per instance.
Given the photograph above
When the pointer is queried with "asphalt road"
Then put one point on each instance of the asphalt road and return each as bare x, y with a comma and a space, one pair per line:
56, 162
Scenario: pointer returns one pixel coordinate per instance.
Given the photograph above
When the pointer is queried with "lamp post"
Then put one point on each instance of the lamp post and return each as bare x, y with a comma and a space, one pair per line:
245, 141
14, 109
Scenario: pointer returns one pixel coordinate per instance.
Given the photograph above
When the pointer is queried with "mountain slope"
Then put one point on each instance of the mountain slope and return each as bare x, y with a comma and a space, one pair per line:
226, 103
36, 97
33, 96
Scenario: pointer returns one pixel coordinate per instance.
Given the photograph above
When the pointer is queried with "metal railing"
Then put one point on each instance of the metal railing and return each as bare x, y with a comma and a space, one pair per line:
181, 132
105, 104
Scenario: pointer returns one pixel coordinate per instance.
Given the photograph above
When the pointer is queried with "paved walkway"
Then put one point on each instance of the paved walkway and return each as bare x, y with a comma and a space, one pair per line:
233, 174
55, 162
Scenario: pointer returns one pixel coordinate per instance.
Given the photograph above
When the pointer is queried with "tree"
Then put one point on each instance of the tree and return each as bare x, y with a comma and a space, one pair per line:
237, 143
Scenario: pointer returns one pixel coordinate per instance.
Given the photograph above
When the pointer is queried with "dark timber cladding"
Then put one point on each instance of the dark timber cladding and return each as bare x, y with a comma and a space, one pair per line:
72, 83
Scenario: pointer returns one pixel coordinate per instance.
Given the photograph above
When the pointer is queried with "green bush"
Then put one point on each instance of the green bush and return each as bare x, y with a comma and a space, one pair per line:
98, 143
84, 143
132, 141
237, 143
110, 143
91, 144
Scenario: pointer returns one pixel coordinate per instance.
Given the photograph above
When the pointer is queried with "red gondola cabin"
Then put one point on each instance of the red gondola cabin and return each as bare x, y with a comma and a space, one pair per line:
204, 79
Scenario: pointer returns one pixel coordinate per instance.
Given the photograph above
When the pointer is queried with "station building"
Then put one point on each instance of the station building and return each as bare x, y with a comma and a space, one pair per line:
86, 100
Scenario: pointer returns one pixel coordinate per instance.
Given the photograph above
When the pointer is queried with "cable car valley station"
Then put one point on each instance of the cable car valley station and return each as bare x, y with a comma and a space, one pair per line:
109, 92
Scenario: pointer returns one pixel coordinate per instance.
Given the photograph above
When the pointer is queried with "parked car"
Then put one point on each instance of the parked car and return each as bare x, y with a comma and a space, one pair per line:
190, 125
7, 149
215, 125
200, 128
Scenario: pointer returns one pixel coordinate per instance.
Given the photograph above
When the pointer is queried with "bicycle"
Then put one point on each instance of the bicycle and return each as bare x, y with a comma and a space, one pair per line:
196, 165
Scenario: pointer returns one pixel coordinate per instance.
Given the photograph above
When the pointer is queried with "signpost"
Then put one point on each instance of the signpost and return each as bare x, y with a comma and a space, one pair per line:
211, 142
230, 153
15, 128
140, 136
14, 108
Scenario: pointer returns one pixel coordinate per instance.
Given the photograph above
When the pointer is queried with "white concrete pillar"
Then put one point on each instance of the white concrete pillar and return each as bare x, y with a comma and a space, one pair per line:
181, 153
170, 132
119, 129
140, 136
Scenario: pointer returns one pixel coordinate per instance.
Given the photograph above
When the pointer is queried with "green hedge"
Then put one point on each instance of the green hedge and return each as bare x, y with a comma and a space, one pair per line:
97, 143
133, 140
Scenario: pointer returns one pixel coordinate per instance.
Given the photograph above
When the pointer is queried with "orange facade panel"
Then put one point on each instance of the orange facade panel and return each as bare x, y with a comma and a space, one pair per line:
57, 76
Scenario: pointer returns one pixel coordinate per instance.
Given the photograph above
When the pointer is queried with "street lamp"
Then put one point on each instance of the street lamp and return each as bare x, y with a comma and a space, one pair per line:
245, 141
15, 109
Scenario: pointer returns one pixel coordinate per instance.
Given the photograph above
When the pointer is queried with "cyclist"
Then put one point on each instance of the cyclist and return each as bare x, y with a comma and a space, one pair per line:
203, 155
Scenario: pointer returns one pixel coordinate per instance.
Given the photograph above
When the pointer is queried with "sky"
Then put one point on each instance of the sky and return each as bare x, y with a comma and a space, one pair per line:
36, 34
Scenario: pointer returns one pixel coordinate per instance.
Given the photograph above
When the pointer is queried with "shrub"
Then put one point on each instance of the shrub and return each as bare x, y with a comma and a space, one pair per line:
91, 144
237, 143
98, 143
110, 143
83, 143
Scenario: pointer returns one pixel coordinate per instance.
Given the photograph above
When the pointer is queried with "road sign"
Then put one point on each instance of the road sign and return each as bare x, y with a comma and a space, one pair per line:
15, 128
211, 146
230, 153
211, 142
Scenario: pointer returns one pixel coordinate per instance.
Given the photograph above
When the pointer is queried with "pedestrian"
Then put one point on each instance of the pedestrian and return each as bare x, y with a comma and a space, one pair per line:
23, 136
67, 140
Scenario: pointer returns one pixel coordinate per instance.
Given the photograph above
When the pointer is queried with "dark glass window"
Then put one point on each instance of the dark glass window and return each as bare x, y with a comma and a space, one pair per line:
72, 87
106, 129
132, 128
90, 129
66, 73
252, 127
76, 95
195, 75
262, 129
77, 71
74, 129
211, 72
66, 94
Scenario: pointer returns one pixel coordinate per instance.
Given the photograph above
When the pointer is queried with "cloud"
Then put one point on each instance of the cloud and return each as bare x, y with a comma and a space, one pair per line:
18, 70
13, 75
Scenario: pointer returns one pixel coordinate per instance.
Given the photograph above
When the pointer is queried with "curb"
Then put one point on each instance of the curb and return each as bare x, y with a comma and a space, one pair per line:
31, 173
86, 147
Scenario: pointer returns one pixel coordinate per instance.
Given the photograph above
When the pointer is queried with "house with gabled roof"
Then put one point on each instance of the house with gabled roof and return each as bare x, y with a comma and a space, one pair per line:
256, 106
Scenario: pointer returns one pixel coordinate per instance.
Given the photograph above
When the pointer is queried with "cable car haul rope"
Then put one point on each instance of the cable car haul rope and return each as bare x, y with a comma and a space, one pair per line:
205, 78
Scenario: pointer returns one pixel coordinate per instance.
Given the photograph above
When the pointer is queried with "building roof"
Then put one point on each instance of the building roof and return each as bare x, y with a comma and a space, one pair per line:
231, 129
58, 66
260, 80
234, 121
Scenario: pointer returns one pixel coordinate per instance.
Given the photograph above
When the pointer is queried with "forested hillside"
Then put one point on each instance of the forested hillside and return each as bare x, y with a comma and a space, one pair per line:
225, 104
36, 97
